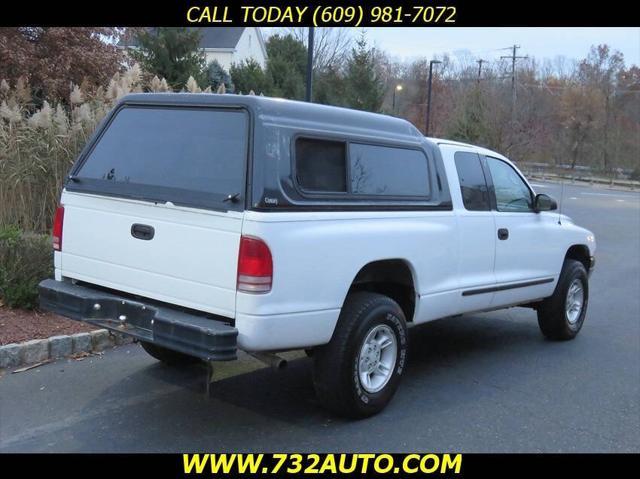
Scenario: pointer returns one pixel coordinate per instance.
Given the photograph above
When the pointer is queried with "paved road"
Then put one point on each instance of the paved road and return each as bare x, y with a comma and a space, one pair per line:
480, 383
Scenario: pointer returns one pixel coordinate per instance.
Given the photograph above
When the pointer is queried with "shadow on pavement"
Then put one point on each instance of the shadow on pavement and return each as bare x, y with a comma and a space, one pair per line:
288, 395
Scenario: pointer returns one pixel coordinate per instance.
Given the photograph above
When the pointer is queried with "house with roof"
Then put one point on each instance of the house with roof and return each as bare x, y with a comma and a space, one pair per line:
227, 45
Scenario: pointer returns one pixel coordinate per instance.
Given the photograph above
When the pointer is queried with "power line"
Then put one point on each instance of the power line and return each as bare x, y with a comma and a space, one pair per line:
513, 58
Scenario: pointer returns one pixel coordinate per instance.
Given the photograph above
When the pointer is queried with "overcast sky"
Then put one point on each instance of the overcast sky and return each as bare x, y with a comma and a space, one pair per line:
489, 43
408, 43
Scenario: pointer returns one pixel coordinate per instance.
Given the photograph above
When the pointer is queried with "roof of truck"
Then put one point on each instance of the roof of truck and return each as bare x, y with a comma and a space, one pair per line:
303, 113
444, 141
479, 149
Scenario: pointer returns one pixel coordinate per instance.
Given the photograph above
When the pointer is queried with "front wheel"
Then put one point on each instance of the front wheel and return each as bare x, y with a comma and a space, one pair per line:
357, 373
561, 316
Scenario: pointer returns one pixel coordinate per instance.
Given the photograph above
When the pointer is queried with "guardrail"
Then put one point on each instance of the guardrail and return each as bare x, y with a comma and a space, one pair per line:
574, 176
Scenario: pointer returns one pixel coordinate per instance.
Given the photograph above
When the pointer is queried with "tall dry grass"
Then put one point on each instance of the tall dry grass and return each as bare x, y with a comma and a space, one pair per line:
37, 147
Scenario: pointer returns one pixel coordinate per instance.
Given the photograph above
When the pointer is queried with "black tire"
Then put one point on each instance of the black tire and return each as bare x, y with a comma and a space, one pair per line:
168, 356
553, 318
335, 373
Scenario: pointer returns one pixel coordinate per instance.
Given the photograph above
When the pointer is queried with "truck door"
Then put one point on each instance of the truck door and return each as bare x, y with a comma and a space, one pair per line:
476, 226
526, 249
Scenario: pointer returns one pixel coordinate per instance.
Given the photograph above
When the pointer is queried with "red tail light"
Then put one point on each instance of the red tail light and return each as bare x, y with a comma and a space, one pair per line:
57, 228
255, 266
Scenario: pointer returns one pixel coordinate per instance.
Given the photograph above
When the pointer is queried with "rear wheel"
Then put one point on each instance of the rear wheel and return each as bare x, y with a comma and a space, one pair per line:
561, 315
168, 356
357, 373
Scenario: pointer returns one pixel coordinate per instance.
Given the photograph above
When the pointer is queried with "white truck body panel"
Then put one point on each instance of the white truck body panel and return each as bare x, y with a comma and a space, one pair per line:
316, 257
192, 261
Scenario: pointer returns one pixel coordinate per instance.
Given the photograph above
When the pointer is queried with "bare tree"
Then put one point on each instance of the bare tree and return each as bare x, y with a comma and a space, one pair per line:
330, 47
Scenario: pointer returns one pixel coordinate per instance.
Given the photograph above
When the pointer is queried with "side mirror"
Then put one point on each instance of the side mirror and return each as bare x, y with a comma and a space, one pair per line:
544, 203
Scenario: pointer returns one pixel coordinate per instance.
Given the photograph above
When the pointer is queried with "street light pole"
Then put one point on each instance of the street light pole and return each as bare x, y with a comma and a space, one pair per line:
431, 63
393, 107
309, 91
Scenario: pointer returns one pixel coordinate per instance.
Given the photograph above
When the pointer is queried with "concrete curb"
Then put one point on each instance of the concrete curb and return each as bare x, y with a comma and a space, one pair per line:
38, 350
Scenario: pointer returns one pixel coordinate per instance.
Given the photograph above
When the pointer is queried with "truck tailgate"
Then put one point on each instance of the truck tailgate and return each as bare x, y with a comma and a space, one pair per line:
191, 260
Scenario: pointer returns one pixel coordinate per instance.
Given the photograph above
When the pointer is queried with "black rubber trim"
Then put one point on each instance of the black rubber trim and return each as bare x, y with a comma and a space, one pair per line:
198, 336
445, 206
493, 289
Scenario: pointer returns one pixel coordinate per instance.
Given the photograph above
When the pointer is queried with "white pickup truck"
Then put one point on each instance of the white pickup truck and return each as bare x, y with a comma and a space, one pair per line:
202, 224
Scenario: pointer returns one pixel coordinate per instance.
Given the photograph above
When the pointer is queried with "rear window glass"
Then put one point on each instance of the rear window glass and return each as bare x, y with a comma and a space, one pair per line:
473, 185
386, 171
168, 149
321, 165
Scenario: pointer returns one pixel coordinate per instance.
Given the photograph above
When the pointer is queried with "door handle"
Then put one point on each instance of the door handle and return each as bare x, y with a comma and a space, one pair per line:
503, 233
143, 232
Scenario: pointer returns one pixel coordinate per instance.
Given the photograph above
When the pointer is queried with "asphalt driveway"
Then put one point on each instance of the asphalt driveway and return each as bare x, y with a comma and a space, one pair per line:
486, 382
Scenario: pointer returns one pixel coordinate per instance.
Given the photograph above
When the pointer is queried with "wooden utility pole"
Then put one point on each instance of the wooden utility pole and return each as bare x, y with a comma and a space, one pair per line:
514, 93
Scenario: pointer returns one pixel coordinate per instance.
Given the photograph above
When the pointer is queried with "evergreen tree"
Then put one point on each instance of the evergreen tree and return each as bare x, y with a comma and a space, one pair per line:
248, 75
329, 87
286, 66
219, 76
364, 89
468, 125
173, 53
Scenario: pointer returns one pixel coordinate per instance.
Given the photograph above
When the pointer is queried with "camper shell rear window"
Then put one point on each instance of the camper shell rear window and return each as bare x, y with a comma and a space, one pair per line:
192, 156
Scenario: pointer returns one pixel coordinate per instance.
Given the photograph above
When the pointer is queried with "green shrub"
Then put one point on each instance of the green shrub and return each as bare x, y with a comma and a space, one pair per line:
25, 260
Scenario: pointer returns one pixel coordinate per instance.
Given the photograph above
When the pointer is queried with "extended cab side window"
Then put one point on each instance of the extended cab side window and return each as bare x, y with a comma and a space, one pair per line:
386, 171
473, 184
360, 170
512, 193
321, 165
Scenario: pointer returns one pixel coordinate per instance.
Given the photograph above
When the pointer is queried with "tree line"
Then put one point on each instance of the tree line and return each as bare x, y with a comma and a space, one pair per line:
581, 113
